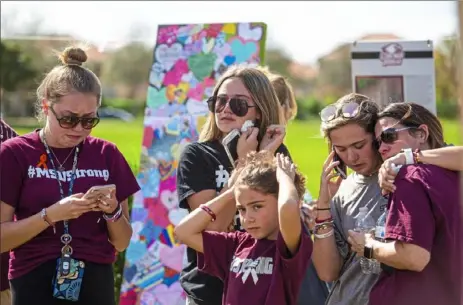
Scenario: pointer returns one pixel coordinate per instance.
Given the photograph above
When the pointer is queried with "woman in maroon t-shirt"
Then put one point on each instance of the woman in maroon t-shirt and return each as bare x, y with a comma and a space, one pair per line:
423, 225
65, 236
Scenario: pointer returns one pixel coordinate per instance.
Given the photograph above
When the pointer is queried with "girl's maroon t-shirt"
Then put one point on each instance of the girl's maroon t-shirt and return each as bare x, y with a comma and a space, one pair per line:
29, 183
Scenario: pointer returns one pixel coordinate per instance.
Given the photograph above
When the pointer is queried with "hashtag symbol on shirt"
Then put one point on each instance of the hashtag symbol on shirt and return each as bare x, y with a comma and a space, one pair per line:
31, 171
221, 176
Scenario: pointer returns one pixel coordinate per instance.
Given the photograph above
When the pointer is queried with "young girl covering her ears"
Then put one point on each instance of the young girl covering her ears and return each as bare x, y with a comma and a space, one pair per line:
242, 93
267, 263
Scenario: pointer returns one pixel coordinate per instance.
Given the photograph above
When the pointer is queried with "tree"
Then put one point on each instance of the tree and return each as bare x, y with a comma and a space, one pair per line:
446, 58
16, 67
129, 66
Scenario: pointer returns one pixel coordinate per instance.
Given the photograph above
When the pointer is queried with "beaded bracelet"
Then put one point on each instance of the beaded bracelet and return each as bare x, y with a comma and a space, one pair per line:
322, 226
324, 235
113, 217
206, 209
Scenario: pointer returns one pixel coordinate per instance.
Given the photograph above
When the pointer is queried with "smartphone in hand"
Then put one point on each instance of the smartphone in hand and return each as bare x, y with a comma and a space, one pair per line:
99, 190
230, 141
341, 169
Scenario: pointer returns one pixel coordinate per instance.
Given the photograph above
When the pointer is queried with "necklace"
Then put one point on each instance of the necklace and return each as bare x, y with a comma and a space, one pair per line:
61, 164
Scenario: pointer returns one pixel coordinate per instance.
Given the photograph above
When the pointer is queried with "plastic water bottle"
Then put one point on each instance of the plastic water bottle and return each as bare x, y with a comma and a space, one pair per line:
364, 224
380, 233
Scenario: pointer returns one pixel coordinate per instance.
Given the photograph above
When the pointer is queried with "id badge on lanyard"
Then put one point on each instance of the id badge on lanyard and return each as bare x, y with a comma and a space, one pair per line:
69, 272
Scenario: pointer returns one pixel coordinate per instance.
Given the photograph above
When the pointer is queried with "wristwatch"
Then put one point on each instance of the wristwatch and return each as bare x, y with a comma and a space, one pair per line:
409, 159
368, 251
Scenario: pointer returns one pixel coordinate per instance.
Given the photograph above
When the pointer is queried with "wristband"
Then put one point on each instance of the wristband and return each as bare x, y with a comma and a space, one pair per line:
324, 235
317, 221
44, 216
206, 209
115, 216
408, 156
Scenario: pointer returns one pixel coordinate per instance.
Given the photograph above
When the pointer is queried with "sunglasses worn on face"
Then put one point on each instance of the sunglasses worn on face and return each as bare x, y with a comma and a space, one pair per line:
348, 110
239, 106
71, 121
390, 135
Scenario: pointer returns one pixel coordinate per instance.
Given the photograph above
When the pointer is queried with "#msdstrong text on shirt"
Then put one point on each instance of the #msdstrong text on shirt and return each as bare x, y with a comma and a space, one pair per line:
42, 171
247, 267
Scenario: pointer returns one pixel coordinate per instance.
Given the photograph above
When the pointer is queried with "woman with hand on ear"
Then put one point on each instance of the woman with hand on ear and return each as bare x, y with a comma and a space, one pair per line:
242, 93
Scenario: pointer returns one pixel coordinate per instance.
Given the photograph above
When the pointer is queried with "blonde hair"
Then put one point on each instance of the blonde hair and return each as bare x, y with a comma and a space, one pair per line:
70, 77
262, 94
258, 171
284, 91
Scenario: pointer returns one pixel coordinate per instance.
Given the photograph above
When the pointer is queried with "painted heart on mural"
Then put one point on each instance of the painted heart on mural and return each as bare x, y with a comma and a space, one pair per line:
208, 45
229, 28
156, 98
176, 215
156, 79
169, 199
159, 214
243, 51
248, 33
168, 55
169, 295
165, 169
177, 94
202, 65
130, 272
172, 257
135, 251
229, 60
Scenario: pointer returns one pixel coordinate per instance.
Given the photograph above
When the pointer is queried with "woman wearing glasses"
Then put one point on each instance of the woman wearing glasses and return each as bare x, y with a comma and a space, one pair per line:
241, 94
64, 238
423, 227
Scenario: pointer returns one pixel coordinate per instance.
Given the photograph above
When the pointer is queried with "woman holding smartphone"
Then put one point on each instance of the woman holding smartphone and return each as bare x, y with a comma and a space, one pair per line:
63, 243
242, 94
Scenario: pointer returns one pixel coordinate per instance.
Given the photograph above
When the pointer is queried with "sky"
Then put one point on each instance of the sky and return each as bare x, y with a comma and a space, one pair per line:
305, 30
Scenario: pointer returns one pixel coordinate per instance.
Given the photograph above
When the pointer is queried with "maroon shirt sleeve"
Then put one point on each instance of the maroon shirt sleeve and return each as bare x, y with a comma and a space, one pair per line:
11, 178
294, 267
219, 248
122, 176
410, 217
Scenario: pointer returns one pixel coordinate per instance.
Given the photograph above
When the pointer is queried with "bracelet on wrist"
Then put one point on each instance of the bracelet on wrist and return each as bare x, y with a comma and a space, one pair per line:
323, 226
206, 209
323, 209
324, 235
113, 217
318, 220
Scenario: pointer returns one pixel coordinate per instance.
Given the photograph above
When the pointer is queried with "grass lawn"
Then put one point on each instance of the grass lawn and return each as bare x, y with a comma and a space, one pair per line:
307, 147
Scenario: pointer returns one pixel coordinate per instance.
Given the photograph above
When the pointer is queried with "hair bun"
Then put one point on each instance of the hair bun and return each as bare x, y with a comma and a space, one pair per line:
73, 56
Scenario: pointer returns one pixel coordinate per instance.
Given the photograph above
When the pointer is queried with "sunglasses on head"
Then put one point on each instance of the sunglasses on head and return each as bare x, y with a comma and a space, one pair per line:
71, 121
390, 135
238, 105
348, 110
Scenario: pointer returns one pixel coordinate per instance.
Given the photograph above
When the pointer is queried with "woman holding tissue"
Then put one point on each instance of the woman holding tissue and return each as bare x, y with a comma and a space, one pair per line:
66, 232
242, 94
